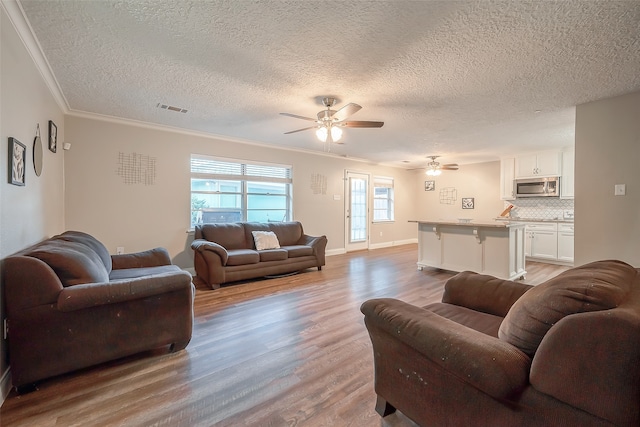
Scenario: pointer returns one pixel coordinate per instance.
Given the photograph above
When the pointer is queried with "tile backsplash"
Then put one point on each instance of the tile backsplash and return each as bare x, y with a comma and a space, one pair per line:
550, 208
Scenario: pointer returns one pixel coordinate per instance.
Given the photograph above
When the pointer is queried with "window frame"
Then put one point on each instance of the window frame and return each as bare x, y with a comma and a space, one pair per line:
388, 183
246, 173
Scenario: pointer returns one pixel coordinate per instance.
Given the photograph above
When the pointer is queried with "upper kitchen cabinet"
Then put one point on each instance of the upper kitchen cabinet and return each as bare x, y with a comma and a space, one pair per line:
507, 175
568, 168
547, 163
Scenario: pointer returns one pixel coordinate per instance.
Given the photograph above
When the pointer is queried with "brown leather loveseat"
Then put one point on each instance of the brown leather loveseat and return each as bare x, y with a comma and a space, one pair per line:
227, 252
501, 353
71, 305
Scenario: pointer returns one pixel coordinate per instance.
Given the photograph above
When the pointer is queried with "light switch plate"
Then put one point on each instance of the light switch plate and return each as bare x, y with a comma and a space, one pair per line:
620, 189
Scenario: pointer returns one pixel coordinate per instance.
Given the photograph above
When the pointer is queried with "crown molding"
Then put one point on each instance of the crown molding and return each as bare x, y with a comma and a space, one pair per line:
16, 15
202, 134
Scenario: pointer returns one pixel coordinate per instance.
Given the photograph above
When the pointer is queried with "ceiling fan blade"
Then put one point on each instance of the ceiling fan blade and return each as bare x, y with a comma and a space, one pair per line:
346, 111
450, 167
300, 130
295, 116
362, 124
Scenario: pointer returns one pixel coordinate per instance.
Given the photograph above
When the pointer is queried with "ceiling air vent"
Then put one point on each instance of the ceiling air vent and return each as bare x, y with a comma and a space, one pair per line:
171, 108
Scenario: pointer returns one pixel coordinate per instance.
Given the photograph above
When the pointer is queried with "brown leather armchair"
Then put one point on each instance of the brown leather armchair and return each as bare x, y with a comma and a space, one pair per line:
502, 353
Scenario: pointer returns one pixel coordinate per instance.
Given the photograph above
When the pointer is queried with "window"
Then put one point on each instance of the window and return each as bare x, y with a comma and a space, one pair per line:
225, 190
382, 199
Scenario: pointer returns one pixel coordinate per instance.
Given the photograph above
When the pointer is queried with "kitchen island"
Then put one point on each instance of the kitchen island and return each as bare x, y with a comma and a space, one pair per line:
487, 247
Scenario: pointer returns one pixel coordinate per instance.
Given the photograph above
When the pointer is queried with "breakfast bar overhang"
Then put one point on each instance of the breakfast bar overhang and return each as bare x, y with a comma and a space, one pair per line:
494, 248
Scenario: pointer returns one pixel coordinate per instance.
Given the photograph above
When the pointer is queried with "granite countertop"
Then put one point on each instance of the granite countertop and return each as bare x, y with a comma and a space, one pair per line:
559, 220
471, 223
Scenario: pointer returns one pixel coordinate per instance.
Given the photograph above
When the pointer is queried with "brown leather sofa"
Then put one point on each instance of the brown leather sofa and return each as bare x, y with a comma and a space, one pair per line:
227, 252
502, 353
71, 305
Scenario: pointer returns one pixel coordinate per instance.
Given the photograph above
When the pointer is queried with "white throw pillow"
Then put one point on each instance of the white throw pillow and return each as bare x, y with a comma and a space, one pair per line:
265, 240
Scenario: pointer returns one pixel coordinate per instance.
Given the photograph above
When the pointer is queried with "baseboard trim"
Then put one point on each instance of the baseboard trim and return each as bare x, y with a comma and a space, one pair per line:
392, 243
5, 385
332, 252
373, 246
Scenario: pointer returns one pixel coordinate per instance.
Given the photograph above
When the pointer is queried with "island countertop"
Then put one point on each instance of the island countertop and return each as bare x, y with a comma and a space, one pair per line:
471, 223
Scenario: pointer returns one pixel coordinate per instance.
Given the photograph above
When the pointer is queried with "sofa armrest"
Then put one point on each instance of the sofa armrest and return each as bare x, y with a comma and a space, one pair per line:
151, 258
318, 244
201, 245
28, 282
487, 363
482, 292
93, 294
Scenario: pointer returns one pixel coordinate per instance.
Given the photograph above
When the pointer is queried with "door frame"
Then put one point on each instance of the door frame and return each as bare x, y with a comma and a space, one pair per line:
358, 246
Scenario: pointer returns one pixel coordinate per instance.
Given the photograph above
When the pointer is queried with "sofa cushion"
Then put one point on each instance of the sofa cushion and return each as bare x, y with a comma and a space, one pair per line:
289, 233
132, 273
596, 286
74, 263
229, 236
273, 255
298, 250
242, 256
481, 322
265, 240
91, 242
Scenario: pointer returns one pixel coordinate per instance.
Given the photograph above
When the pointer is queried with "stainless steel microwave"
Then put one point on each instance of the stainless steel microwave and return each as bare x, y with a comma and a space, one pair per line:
537, 187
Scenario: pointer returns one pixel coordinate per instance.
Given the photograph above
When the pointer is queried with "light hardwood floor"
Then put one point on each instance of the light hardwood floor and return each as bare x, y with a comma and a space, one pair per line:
288, 351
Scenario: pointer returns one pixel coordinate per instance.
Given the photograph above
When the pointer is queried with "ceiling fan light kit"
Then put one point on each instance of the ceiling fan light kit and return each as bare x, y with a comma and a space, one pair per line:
434, 168
322, 133
330, 122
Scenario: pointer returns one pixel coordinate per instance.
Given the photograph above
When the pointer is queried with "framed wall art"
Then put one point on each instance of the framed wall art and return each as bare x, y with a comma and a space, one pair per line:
53, 136
17, 162
468, 203
429, 186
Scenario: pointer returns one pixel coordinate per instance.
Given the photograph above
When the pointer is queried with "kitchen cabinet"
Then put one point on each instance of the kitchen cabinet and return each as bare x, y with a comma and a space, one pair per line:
545, 163
507, 175
568, 168
565, 242
541, 240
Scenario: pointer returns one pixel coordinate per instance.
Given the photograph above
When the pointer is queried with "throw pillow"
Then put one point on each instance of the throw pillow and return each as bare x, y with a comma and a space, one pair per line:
600, 285
265, 240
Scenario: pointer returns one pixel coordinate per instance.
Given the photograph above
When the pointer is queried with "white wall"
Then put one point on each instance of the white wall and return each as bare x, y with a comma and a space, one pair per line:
608, 153
138, 216
480, 181
31, 213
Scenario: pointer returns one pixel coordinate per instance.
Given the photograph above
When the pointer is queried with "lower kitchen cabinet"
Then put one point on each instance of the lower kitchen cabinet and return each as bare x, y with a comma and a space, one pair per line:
542, 240
565, 242
549, 241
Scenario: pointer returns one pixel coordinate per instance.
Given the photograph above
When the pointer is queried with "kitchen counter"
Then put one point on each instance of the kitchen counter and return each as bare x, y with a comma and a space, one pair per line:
488, 247
471, 223
559, 221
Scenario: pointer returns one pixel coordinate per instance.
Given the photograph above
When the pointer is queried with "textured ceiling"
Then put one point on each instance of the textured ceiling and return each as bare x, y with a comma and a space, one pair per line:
469, 81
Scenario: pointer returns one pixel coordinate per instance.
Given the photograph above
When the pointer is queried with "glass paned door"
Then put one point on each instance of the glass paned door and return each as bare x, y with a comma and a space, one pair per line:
357, 211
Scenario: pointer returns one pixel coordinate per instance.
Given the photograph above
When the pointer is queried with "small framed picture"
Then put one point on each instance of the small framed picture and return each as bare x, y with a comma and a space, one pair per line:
17, 161
429, 186
467, 203
53, 137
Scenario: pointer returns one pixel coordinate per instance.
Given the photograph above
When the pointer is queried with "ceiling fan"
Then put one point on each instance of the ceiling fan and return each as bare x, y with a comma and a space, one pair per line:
329, 122
435, 168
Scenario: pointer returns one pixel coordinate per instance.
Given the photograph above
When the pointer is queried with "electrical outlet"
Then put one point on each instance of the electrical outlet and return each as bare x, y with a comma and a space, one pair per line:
119, 250
620, 189
381, 234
